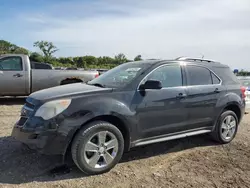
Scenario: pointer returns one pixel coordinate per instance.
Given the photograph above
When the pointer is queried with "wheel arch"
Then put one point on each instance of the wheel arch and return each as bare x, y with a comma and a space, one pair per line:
235, 108
70, 80
113, 119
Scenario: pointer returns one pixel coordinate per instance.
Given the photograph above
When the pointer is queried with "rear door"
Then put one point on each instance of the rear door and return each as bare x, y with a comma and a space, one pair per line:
12, 76
204, 90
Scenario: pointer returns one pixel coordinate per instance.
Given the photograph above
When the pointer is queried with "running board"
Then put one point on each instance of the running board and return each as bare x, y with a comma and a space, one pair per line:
183, 135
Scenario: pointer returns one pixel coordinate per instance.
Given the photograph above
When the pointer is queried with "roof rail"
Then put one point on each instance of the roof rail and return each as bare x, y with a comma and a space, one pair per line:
194, 59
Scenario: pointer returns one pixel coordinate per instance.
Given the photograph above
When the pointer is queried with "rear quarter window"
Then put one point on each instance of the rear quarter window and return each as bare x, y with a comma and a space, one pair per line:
227, 75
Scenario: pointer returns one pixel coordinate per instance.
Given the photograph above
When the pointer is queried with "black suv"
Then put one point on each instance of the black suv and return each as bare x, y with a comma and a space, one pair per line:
133, 104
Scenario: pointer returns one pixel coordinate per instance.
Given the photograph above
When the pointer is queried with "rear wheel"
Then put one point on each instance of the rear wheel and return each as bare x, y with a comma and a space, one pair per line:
226, 128
97, 148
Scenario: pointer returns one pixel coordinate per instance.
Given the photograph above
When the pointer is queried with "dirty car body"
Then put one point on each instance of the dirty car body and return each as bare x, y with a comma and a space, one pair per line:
138, 99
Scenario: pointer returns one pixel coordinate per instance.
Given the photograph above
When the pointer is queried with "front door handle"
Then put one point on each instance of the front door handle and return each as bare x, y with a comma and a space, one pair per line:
181, 95
17, 75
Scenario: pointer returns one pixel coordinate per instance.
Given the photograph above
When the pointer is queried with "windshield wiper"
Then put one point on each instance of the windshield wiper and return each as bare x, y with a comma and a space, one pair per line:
97, 84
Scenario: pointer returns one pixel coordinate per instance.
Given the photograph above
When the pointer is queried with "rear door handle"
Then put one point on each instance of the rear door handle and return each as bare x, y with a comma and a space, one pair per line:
181, 95
217, 90
17, 75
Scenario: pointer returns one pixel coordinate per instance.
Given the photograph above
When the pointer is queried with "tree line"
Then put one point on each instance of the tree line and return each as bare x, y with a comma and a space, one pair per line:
243, 73
47, 50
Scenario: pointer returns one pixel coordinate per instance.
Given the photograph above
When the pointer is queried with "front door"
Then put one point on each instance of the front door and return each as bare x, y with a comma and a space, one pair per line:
12, 76
162, 111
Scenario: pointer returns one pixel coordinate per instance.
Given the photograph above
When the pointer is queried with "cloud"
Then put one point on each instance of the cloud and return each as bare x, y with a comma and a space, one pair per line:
155, 29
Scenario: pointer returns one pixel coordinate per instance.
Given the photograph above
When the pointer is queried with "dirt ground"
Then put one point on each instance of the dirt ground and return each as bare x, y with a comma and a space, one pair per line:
190, 162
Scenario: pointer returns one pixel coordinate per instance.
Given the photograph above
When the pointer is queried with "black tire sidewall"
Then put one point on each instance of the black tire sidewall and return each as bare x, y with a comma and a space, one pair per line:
219, 124
85, 134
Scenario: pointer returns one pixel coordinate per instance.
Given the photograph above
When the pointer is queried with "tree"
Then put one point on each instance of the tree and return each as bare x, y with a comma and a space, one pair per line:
36, 57
82, 64
138, 58
79, 62
90, 60
120, 58
48, 48
5, 47
9, 48
242, 72
20, 50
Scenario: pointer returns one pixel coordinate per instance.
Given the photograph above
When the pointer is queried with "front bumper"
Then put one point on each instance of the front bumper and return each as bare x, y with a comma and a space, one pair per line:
50, 137
48, 142
32, 139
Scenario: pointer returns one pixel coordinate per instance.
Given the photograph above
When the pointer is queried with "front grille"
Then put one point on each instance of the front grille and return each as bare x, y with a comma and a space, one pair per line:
22, 121
26, 112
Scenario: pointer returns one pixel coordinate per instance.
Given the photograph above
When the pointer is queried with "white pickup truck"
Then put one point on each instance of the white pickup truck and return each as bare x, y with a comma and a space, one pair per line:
19, 78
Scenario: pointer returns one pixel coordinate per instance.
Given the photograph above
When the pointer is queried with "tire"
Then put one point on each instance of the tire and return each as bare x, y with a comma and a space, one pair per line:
93, 133
223, 126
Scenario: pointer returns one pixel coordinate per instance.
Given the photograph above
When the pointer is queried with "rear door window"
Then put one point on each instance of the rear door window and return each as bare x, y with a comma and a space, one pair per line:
197, 75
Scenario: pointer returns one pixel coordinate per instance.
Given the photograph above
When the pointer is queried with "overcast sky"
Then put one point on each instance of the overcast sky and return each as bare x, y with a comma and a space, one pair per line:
165, 29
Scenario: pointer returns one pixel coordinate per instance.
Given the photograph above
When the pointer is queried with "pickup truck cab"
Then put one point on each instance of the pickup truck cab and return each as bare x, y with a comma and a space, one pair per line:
19, 77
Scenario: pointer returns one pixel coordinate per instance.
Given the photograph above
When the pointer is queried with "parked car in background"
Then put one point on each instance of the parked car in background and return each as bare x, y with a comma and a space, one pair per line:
133, 104
20, 77
245, 86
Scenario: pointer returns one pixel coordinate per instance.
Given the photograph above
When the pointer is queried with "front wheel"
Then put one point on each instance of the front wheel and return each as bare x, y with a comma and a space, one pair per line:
97, 148
226, 128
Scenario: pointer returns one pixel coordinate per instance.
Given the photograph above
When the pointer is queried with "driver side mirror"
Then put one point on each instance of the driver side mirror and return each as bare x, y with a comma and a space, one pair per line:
151, 84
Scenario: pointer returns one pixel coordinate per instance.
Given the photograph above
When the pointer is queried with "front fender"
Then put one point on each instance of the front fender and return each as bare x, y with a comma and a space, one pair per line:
92, 109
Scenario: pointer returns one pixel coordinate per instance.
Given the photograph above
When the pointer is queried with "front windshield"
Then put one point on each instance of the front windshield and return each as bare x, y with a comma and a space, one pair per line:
120, 75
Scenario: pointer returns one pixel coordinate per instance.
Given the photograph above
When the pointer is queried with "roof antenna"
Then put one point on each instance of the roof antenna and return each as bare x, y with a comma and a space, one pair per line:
202, 56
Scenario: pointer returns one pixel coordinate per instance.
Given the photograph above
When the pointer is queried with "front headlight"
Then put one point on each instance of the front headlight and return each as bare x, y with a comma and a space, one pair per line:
52, 108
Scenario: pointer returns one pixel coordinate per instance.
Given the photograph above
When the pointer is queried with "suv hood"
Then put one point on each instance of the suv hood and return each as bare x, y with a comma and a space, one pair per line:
69, 90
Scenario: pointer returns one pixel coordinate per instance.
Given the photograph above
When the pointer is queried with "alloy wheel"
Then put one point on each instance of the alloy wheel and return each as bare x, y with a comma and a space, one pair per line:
101, 149
228, 127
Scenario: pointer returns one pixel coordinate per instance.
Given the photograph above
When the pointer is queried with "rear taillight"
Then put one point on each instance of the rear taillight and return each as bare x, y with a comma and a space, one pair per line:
243, 90
96, 75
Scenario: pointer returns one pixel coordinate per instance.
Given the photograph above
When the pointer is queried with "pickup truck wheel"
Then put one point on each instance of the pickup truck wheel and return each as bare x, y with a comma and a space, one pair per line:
226, 128
97, 147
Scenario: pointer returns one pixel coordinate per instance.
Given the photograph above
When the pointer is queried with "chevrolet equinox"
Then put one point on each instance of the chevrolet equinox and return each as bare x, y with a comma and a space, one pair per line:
133, 104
